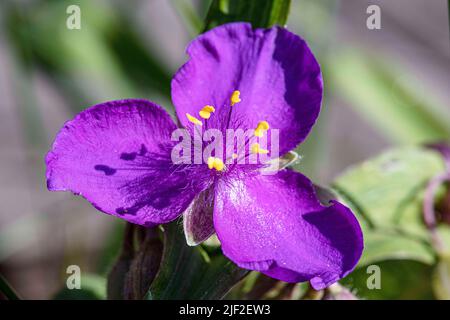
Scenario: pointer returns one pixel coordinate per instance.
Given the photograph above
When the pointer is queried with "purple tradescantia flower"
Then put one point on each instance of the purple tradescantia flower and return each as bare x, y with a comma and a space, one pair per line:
118, 156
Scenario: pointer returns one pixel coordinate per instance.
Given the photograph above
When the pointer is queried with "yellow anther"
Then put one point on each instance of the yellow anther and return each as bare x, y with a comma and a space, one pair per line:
211, 161
193, 119
215, 163
205, 113
235, 97
255, 148
218, 165
235, 155
261, 127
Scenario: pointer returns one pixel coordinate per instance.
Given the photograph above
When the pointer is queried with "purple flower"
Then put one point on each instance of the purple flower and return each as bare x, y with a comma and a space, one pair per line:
118, 156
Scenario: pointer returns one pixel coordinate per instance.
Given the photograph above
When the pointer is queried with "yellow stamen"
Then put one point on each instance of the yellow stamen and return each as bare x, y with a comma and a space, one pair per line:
261, 128
255, 148
215, 163
211, 161
235, 97
205, 113
193, 119
235, 155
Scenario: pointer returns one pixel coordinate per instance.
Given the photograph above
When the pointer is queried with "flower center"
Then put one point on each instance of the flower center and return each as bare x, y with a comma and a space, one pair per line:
206, 113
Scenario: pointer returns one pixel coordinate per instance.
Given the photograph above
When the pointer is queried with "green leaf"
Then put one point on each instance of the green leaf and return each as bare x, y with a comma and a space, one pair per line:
379, 246
261, 13
189, 273
93, 287
386, 194
384, 187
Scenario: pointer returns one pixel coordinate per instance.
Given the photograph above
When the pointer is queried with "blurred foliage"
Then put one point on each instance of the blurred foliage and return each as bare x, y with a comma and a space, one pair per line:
387, 190
400, 279
106, 60
261, 13
386, 193
384, 101
441, 278
93, 287
111, 247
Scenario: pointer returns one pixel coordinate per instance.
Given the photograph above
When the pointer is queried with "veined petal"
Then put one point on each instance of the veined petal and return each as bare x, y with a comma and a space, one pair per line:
278, 78
292, 237
198, 218
117, 155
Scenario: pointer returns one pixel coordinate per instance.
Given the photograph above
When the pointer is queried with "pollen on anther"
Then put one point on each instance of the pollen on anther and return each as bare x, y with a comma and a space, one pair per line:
235, 97
261, 128
193, 119
215, 163
206, 111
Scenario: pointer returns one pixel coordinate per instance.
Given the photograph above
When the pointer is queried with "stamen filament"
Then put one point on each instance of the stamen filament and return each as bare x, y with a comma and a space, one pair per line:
255, 148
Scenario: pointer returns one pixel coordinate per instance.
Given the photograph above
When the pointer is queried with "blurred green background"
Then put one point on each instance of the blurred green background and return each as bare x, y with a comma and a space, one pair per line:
383, 88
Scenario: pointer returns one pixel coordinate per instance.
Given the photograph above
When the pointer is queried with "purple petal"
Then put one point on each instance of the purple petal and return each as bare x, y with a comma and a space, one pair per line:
276, 225
117, 156
198, 218
278, 77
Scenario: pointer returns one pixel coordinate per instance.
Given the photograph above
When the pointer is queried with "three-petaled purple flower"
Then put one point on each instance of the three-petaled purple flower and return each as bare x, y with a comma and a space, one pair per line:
118, 156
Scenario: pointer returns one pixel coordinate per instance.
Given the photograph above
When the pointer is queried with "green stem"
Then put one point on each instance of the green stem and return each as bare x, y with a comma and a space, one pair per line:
7, 290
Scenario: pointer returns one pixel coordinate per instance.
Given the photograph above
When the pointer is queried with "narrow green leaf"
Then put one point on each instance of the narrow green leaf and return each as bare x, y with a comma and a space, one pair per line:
221, 275
189, 273
374, 91
6, 290
261, 13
